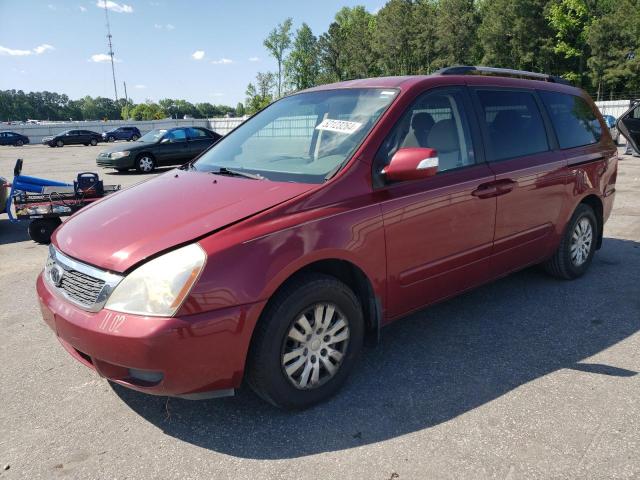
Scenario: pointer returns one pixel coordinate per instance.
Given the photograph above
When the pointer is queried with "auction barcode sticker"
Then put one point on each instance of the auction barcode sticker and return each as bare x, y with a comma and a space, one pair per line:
340, 126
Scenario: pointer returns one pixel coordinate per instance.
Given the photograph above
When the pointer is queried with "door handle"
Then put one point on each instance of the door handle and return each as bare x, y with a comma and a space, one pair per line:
486, 191
505, 186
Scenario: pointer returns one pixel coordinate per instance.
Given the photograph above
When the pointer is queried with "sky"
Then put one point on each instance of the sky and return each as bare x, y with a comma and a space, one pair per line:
200, 51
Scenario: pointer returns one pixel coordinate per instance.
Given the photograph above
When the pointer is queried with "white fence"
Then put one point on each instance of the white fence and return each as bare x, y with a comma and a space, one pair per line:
613, 107
36, 132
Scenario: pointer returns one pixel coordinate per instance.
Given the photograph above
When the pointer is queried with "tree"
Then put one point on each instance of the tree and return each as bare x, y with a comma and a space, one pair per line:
423, 35
278, 42
301, 66
515, 34
148, 111
456, 33
330, 52
261, 94
239, 110
392, 38
614, 41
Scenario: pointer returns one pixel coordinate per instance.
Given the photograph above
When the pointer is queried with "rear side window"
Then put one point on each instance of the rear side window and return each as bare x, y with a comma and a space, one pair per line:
513, 124
196, 133
573, 119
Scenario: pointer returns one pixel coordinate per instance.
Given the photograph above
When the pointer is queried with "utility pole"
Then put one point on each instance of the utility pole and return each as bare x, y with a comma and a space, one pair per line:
113, 70
126, 97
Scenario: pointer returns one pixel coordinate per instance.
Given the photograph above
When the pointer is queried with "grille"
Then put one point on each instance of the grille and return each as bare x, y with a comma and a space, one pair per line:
81, 287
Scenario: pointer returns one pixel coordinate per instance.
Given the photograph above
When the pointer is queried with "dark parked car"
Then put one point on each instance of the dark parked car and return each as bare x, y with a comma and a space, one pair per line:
610, 120
13, 138
73, 137
629, 126
122, 133
158, 148
329, 214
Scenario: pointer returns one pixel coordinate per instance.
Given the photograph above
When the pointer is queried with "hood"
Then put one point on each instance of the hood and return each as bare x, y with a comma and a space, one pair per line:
120, 147
128, 226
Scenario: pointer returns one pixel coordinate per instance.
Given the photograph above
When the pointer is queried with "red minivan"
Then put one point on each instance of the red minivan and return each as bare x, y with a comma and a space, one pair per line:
327, 215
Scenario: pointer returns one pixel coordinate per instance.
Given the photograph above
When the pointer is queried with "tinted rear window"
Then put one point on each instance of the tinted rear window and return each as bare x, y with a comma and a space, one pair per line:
513, 123
573, 119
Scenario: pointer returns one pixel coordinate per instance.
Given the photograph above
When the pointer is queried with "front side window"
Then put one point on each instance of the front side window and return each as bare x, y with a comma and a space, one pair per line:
153, 135
302, 138
513, 124
177, 135
573, 119
436, 120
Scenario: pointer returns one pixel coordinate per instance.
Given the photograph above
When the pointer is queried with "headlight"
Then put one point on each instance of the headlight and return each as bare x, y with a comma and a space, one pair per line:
160, 286
119, 154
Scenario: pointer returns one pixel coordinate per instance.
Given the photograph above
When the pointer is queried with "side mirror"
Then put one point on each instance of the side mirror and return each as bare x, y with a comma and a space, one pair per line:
411, 164
629, 126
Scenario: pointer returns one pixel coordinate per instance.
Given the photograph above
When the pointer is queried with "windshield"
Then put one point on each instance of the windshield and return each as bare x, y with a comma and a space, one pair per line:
153, 135
302, 138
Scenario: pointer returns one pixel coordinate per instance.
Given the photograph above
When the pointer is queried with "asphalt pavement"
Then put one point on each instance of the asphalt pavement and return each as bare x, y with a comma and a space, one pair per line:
527, 377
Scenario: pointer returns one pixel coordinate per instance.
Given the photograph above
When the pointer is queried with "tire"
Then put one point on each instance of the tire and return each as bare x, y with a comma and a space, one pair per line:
41, 229
94, 142
145, 163
19, 143
570, 259
134, 138
59, 143
272, 341
111, 139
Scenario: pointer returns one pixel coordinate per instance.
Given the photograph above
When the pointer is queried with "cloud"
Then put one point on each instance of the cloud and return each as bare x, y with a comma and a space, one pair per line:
168, 26
222, 61
198, 55
42, 48
140, 86
23, 53
217, 94
51, 7
82, 9
13, 52
114, 7
254, 59
102, 58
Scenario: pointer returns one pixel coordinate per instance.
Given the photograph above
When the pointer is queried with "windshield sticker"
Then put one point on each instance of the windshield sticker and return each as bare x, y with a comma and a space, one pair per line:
388, 92
339, 126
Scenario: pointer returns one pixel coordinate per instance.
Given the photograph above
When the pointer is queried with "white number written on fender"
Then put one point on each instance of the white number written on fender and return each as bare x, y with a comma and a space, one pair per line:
111, 323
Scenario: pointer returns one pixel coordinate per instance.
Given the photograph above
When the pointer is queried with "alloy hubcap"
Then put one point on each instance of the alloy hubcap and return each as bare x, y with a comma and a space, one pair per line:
146, 164
581, 241
315, 346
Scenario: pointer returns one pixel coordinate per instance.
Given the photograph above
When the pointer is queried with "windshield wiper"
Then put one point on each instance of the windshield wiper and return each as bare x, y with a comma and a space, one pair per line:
237, 173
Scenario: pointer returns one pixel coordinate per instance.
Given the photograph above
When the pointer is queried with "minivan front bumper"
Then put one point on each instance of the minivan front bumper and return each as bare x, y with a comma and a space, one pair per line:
194, 356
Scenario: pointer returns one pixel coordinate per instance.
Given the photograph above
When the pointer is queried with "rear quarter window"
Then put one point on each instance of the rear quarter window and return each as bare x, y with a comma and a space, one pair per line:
574, 122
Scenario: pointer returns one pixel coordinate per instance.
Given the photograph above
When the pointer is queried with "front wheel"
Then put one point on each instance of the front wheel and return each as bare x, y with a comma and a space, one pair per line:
94, 142
19, 143
577, 247
41, 229
59, 143
134, 138
145, 163
306, 342
111, 139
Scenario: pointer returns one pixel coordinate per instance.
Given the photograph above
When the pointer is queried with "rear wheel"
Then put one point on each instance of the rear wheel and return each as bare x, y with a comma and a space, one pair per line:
306, 342
41, 229
575, 252
59, 143
145, 163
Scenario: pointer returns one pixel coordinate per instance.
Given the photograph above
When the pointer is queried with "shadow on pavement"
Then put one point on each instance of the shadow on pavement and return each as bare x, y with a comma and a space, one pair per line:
432, 366
13, 232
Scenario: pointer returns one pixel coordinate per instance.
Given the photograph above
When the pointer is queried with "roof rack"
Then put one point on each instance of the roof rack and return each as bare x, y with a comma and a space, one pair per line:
503, 72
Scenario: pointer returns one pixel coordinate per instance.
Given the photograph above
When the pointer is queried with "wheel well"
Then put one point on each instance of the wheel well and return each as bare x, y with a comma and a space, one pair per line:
356, 280
596, 205
148, 154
